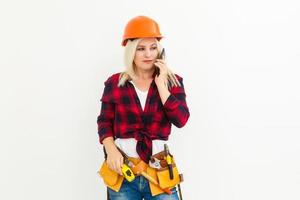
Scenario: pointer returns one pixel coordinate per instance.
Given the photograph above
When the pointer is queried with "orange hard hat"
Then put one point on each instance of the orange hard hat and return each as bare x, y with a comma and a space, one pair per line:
141, 27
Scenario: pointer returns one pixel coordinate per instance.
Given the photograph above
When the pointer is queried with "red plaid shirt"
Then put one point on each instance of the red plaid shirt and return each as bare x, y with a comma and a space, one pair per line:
121, 114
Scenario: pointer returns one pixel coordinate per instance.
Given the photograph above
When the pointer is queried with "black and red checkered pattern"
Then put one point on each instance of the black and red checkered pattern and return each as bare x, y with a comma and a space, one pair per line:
121, 114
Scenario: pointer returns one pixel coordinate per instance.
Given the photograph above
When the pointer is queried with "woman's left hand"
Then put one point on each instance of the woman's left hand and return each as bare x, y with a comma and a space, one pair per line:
162, 79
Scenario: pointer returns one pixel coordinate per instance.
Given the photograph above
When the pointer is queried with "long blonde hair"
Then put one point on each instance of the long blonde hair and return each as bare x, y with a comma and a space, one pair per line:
130, 74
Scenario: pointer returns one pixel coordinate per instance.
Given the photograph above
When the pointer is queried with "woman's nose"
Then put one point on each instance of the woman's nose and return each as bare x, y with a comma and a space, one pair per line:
147, 53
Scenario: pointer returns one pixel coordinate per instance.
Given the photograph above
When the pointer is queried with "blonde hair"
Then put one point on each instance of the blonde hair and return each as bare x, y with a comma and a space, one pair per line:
130, 74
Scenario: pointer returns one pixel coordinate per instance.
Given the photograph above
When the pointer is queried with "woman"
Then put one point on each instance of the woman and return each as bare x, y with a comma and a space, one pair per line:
138, 107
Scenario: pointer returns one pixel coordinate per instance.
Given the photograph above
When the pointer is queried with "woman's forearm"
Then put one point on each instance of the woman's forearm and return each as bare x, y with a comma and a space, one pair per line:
109, 144
163, 91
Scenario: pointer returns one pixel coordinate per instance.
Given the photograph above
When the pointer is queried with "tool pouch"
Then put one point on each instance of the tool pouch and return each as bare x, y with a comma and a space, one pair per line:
164, 178
111, 179
162, 173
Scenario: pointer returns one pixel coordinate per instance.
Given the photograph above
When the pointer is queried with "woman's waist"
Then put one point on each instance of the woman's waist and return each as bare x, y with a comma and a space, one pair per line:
128, 146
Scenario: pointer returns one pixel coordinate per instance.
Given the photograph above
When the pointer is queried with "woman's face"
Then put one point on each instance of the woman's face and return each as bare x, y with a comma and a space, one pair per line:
146, 54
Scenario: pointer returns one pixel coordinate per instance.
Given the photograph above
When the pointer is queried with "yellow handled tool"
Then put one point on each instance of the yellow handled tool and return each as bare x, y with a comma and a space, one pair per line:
128, 173
168, 158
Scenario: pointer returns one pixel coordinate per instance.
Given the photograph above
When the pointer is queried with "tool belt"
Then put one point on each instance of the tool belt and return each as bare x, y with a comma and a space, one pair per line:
158, 169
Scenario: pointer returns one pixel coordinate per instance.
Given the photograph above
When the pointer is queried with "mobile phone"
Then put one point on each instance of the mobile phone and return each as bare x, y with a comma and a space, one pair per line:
160, 56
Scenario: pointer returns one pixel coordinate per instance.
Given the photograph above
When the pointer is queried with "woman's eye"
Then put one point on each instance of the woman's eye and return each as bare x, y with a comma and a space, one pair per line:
154, 48
140, 49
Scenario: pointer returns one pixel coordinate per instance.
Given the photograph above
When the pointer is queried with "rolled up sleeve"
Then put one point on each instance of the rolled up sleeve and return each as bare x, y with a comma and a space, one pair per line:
176, 107
105, 120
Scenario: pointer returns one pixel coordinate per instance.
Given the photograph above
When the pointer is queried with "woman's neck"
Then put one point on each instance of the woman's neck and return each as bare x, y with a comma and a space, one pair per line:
144, 75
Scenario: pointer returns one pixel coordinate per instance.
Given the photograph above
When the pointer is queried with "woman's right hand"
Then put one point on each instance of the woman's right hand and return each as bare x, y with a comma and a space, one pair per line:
114, 157
115, 160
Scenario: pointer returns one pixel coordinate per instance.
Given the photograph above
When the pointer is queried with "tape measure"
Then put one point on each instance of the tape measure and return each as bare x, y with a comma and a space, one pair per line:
128, 173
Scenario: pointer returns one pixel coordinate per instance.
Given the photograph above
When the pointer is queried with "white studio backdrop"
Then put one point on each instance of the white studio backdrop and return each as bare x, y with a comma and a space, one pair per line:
240, 63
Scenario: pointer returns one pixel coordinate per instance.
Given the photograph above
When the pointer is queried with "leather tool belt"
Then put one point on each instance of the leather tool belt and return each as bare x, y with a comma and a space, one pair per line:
158, 168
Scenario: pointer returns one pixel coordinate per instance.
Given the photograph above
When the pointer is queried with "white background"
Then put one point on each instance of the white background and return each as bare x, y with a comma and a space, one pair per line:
240, 62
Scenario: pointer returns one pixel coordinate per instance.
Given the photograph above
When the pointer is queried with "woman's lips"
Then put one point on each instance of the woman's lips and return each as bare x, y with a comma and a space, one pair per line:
147, 61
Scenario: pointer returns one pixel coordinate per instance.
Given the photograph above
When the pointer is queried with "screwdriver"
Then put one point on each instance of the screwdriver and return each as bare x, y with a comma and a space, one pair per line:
168, 158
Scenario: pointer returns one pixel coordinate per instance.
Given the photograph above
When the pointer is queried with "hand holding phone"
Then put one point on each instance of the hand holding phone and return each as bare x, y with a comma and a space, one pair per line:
161, 56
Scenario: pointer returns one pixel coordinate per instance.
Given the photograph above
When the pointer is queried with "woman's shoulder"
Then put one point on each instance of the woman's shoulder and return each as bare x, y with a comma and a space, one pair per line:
178, 77
113, 79
110, 86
